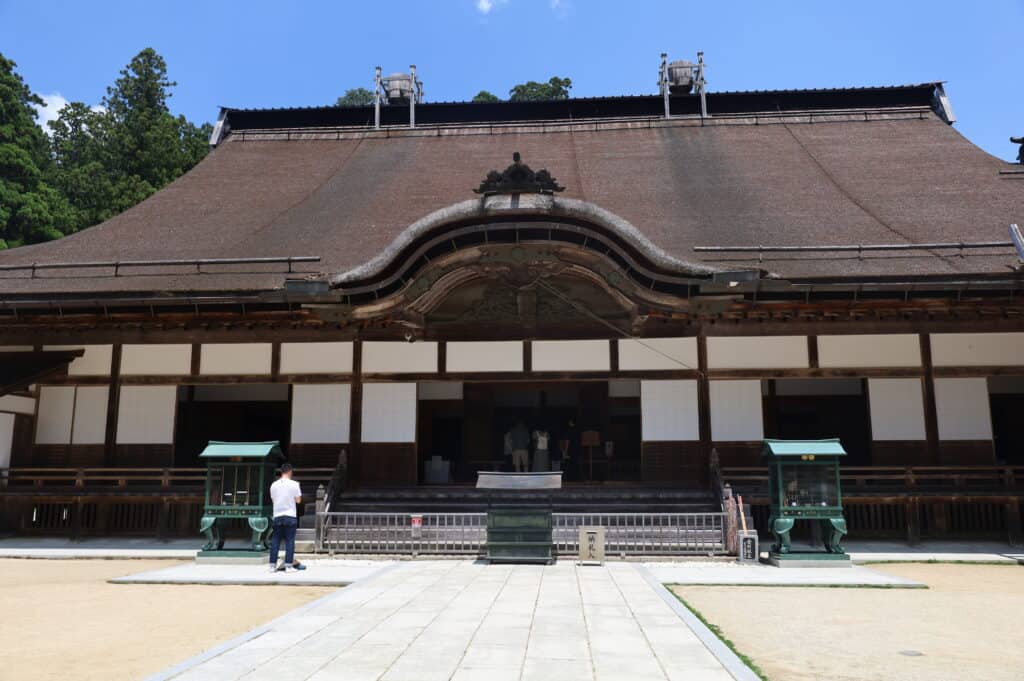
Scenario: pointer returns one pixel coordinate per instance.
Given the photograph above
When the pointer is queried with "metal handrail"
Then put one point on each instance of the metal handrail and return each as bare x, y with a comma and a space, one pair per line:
186, 262
938, 246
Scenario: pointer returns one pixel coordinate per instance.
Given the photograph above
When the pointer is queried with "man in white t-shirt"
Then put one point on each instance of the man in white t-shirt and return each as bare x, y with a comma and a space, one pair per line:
285, 493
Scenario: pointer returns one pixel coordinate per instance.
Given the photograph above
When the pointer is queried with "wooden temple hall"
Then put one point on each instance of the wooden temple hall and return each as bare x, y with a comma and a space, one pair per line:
650, 286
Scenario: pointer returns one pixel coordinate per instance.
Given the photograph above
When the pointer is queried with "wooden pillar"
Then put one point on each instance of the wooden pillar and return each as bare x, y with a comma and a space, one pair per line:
1014, 530
703, 406
275, 362
355, 419
812, 352
913, 513
113, 402
931, 421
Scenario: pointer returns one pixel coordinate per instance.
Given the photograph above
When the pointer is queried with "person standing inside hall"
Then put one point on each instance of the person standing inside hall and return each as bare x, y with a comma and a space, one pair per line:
286, 495
521, 447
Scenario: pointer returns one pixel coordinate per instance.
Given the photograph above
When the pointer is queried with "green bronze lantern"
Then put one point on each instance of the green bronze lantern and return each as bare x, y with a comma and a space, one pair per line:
803, 484
238, 478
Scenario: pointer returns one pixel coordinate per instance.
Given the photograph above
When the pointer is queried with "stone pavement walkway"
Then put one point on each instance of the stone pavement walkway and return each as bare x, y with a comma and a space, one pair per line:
461, 621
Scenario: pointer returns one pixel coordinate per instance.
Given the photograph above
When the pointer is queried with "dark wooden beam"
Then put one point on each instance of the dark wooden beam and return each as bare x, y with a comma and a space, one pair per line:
613, 355
275, 360
812, 351
355, 417
703, 400
113, 405
931, 420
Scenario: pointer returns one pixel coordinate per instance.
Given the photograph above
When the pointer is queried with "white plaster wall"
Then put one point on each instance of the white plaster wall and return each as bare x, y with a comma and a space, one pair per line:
56, 407
897, 408
156, 360
6, 439
316, 358
484, 356
871, 350
757, 352
669, 410
320, 413
656, 354
389, 412
736, 411
17, 404
95, 362
977, 349
235, 358
576, 355
440, 390
962, 409
146, 414
388, 357
90, 422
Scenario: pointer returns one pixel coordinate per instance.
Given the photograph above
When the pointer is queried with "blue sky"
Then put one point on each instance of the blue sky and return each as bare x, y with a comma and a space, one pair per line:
256, 53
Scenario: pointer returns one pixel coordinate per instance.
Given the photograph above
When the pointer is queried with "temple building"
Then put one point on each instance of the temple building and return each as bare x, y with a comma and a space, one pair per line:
659, 292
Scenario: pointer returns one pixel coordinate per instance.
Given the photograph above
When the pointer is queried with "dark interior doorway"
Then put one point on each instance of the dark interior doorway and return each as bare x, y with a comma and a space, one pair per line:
1006, 399
470, 433
817, 408
234, 413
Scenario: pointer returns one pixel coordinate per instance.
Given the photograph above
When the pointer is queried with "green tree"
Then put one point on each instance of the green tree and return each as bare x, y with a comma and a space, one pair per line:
485, 96
530, 91
107, 160
357, 96
30, 209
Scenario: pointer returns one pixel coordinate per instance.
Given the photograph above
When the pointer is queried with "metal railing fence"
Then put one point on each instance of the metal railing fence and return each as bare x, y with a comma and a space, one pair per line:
626, 534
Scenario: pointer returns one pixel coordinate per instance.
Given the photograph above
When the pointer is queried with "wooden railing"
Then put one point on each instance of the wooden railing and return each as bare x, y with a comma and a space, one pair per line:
126, 478
121, 478
855, 478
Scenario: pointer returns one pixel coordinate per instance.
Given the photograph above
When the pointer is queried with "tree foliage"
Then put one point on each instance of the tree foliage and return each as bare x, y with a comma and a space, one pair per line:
97, 161
357, 96
30, 209
530, 91
485, 96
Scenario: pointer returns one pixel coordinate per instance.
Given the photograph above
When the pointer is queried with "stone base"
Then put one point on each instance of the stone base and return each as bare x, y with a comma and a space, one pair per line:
233, 557
809, 559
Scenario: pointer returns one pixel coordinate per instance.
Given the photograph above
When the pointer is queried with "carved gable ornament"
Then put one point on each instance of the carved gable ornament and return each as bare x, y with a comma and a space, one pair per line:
518, 178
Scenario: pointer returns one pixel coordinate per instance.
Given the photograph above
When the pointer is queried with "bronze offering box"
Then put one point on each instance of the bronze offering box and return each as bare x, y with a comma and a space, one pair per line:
238, 478
803, 484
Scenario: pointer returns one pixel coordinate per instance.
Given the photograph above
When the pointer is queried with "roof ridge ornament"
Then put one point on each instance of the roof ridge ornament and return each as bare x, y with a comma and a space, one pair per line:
1020, 153
518, 178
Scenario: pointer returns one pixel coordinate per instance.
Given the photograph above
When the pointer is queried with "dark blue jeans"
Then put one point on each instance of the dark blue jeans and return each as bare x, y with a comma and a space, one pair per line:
284, 528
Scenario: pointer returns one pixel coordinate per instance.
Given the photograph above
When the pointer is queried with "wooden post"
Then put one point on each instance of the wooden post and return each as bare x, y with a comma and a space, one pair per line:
113, 402
162, 519
931, 421
76, 519
1014, 531
704, 405
913, 511
355, 417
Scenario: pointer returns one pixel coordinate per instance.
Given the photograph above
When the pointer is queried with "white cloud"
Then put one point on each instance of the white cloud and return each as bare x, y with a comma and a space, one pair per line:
485, 6
54, 102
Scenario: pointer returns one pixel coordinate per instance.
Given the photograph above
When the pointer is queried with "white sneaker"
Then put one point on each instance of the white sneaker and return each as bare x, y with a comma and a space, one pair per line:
274, 568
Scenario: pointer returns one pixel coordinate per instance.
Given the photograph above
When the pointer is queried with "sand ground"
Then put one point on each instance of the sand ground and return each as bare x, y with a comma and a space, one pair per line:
964, 627
62, 620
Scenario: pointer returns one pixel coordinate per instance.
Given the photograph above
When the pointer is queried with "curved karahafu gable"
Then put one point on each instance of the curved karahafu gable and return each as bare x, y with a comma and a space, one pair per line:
505, 207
